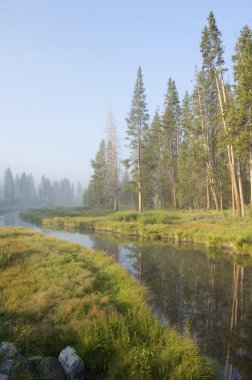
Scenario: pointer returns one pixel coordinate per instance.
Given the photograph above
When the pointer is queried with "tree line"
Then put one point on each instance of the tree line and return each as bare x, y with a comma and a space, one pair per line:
21, 190
197, 152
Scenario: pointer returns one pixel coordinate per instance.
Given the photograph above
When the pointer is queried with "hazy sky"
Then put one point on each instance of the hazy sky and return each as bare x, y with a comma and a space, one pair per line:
62, 62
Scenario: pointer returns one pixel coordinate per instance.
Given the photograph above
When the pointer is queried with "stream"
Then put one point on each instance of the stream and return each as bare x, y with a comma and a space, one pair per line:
200, 292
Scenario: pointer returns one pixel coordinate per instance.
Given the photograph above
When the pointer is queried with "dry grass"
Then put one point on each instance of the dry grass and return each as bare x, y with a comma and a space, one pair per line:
55, 294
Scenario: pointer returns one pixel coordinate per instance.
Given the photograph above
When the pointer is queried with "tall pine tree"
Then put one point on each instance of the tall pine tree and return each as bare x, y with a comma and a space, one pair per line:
137, 122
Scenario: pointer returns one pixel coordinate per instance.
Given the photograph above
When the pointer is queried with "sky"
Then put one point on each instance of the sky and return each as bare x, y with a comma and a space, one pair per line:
64, 63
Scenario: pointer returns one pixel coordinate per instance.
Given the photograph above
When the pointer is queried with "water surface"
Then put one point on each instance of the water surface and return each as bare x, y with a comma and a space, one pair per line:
203, 293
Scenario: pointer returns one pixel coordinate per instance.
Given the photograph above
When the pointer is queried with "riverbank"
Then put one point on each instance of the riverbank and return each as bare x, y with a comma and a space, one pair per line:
213, 229
55, 294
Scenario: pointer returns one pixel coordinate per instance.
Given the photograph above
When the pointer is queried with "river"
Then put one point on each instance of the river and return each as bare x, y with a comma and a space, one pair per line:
204, 293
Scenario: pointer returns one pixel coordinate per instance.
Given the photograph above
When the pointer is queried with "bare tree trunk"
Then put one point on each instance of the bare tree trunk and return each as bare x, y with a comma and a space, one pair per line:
205, 128
207, 194
139, 178
230, 150
174, 201
240, 187
233, 321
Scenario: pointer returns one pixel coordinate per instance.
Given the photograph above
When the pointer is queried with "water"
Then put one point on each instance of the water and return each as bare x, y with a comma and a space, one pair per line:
204, 293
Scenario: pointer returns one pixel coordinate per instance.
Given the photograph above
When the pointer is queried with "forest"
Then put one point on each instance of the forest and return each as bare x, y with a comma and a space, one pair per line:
22, 191
194, 154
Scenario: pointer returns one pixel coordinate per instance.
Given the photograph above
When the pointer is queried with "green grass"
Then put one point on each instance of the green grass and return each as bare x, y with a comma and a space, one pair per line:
211, 228
55, 294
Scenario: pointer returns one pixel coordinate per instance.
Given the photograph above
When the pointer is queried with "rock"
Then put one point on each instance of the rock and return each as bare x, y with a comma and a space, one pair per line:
26, 368
6, 366
8, 350
50, 368
34, 365
73, 365
4, 377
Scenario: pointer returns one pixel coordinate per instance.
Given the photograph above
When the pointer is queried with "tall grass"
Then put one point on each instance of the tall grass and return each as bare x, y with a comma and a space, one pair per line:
55, 294
212, 228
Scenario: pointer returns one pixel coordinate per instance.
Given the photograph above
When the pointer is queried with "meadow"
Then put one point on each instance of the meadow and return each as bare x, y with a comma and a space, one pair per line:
210, 228
55, 294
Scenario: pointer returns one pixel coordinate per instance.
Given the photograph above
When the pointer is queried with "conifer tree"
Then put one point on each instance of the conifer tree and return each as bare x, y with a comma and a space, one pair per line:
213, 63
242, 105
112, 163
137, 122
153, 165
9, 190
171, 140
99, 178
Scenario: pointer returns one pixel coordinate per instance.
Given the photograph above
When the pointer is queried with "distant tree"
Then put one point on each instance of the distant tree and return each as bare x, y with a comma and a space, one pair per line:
99, 179
17, 189
137, 122
89, 197
32, 189
127, 191
9, 190
24, 188
45, 190
79, 192
66, 191
112, 163
56, 189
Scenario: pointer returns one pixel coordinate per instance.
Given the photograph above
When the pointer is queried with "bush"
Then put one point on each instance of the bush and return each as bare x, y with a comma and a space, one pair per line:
124, 216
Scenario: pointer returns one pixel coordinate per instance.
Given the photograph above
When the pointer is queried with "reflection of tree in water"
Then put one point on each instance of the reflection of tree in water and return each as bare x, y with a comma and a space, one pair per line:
239, 331
206, 293
193, 289
110, 246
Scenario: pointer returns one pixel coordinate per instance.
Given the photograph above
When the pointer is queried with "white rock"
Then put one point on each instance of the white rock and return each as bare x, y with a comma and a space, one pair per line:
8, 350
73, 365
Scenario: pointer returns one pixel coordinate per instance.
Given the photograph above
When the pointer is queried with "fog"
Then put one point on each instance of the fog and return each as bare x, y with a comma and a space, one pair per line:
63, 63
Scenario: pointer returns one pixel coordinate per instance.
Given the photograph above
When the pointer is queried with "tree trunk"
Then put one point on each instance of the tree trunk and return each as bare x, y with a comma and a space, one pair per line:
205, 129
240, 188
139, 179
230, 150
207, 194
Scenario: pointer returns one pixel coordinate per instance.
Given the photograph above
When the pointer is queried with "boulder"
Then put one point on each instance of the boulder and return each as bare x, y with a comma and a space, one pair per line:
4, 377
6, 366
25, 368
50, 368
73, 365
8, 350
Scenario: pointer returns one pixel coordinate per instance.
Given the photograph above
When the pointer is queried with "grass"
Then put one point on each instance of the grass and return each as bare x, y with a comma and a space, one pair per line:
211, 228
55, 294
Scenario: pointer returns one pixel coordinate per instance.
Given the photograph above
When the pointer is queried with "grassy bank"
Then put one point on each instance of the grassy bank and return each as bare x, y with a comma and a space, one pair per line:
55, 294
213, 229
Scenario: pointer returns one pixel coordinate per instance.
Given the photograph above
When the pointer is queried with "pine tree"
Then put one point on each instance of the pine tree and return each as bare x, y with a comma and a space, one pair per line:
242, 105
171, 139
9, 190
213, 63
137, 122
45, 190
79, 192
112, 163
153, 163
206, 109
99, 178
